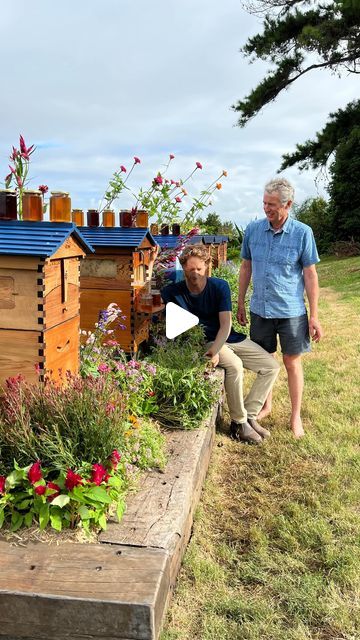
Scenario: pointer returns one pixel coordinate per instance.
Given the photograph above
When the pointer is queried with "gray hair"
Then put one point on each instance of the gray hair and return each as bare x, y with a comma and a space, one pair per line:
282, 187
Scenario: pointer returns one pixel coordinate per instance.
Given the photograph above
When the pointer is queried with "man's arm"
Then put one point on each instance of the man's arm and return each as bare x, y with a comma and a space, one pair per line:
312, 293
221, 337
244, 281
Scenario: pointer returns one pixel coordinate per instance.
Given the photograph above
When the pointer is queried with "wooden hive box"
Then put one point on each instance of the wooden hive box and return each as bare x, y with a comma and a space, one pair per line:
171, 242
219, 250
118, 272
39, 298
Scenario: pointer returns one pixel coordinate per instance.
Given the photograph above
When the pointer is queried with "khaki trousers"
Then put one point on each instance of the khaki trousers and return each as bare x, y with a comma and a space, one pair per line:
234, 357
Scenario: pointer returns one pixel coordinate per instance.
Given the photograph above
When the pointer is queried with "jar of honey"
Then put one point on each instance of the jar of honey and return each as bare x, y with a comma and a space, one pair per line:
156, 297
60, 206
164, 230
32, 206
8, 204
146, 302
93, 218
154, 229
108, 218
127, 218
77, 216
142, 218
175, 229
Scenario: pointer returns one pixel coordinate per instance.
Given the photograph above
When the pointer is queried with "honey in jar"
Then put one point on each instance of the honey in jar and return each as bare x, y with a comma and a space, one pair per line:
164, 230
32, 206
142, 218
175, 229
93, 218
8, 204
108, 218
154, 229
127, 218
60, 206
156, 297
78, 217
146, 303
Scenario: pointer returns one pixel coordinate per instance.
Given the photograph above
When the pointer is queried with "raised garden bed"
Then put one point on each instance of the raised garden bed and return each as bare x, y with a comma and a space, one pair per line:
119, 587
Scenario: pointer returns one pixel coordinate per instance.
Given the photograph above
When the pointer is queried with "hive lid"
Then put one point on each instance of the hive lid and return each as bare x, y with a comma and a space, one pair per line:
43, 239
116, 236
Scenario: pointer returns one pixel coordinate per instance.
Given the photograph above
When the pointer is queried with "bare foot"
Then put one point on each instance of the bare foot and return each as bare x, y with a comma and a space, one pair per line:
263, 413
297, 428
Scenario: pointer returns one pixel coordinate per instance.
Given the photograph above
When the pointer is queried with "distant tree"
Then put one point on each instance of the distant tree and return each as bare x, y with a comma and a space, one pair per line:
344, 188
300, 36
317, 214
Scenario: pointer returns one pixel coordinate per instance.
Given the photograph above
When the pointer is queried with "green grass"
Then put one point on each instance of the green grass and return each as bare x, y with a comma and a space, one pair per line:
275, 551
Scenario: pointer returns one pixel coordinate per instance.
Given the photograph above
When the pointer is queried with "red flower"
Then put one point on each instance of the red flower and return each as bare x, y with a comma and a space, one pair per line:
99, 474
158, 179
177, 199
103, 368
171, 156
137, 160
40, 490
14, 154
19, 181
43, 188
35, 473
151, 394
56, 488
72, 480
199, 165
2, 484
114, 458
123, 169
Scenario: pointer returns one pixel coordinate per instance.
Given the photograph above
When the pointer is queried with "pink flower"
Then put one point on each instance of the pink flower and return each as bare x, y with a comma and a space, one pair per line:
172, 181
103, 368
12, 170
158, 179
137, 160
171, 156
56, 489
14, 154
177, 184
110, 407
25, 151
123, 169
40, 490
2, 484
43, 188
114, 458
35, 473
8, 180
72, 480
177, 199
199, 165
19, 181
99, 474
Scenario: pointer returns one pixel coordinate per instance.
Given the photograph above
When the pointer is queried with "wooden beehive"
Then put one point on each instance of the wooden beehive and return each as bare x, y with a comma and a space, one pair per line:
219, 251
171, 242
119, 272
39, 298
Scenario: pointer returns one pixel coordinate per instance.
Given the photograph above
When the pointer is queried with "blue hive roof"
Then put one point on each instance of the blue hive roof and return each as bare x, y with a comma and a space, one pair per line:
116, 236
43, 239
167, 241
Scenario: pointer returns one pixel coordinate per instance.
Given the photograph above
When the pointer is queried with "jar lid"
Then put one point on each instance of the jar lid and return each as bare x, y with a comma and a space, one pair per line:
77, 210
9, 191
108, 211
93, 211
32, 192
59, 193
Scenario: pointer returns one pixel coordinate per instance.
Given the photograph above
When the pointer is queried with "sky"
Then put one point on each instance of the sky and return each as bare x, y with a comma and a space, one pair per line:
94, 83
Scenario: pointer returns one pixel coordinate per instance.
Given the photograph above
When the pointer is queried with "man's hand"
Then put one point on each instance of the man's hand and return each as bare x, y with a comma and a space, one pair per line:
241, 315
315, 330
214, 359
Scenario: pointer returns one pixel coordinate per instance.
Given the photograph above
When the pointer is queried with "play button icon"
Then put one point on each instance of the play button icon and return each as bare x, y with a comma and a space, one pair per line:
178, 320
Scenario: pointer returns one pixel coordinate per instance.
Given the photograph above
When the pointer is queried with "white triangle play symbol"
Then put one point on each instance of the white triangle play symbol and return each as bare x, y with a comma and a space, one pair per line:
178, 320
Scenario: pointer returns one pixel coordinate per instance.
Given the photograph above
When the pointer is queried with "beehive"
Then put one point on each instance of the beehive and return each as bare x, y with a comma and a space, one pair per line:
119, 272
39, 298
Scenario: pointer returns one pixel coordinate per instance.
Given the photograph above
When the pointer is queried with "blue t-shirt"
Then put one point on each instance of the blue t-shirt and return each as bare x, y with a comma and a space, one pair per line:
206, 305
277, 261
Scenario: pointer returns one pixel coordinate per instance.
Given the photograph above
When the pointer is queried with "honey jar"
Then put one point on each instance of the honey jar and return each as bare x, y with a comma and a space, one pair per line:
32, 206
93, 218
60, 206
8, 204
78, 217
108, 218
141, 218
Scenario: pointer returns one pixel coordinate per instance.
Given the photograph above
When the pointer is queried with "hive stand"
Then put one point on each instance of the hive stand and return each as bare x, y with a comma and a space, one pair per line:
118, 272
39, 298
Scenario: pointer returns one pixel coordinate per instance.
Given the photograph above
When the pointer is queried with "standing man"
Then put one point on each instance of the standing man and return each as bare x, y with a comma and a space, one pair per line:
210, 300
280, 255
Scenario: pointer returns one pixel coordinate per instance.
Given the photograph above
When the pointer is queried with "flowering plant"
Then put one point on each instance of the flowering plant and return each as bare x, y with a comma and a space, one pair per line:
19, 169
116, 185
166, 198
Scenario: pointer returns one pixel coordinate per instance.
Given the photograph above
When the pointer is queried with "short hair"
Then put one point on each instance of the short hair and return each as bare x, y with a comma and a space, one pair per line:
195, 251
283, 187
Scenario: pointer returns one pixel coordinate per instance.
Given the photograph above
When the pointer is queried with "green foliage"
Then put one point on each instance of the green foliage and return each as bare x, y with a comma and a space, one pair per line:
316, 213
297, 39
184, 387
230, 273
345, 187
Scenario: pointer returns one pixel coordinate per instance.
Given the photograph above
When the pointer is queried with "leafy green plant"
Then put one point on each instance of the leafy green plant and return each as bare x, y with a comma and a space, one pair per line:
230, 273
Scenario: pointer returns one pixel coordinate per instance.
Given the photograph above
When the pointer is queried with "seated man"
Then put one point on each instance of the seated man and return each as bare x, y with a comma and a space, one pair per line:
209, 299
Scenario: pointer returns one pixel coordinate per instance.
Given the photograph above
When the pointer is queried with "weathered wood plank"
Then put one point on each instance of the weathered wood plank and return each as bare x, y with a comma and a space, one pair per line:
82, 591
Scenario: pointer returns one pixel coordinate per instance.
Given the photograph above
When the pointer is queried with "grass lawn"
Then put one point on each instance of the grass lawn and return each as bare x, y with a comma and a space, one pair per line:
275, 551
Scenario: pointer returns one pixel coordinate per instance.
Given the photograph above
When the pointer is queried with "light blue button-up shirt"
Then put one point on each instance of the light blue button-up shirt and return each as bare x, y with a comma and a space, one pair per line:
277, 259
